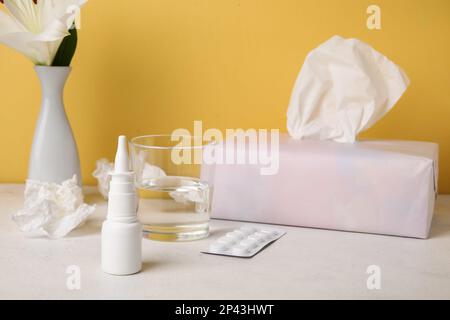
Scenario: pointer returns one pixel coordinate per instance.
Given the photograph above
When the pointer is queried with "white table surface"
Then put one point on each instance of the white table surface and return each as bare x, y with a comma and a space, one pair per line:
304, 264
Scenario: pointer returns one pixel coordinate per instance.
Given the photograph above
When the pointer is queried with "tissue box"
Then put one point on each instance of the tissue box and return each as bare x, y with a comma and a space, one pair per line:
381, 187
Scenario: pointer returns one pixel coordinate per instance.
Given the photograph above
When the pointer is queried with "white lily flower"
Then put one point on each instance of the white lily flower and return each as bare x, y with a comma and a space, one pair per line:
37, 28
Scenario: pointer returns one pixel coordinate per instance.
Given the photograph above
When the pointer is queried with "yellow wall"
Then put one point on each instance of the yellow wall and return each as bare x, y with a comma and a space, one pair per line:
149, 66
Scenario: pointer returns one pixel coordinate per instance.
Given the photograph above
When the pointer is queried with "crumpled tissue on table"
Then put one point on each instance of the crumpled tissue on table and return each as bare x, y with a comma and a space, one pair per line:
343, 88
101, 173
55, 209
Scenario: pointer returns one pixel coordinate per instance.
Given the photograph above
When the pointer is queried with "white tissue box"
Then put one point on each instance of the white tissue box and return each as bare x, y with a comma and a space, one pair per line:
382, 187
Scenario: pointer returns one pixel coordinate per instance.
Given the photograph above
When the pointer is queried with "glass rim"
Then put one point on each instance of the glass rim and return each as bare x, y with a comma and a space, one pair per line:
175, 147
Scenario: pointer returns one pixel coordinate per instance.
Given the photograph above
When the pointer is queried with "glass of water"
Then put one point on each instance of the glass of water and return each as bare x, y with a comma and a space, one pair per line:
175, 196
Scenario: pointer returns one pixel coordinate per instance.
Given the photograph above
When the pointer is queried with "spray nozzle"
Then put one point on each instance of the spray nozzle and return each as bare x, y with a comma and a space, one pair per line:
121, 162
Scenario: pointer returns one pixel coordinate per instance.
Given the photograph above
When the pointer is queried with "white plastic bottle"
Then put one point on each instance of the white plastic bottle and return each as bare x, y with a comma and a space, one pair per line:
122, 232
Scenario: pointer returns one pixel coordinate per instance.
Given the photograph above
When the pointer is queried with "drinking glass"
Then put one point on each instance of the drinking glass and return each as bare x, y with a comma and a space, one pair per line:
175, 201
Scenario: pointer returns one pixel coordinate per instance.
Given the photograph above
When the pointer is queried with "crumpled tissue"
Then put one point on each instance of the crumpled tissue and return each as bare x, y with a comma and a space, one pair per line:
55, 209
104, 168
147, 172
101, 173
343, 88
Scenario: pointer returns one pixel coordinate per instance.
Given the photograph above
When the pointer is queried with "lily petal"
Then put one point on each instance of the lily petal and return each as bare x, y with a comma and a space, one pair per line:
26, 12
14, 35
47, 42
37, 30
55, 9
19, 41
8, 24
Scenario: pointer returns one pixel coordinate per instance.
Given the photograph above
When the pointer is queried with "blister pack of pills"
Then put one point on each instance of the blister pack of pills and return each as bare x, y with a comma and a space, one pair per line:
245, 242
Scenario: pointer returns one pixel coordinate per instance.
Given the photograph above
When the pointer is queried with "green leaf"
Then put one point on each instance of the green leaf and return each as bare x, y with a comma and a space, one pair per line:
66, 50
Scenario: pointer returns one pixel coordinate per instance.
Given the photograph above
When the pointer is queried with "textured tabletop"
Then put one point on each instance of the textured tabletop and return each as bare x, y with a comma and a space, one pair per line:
304, 264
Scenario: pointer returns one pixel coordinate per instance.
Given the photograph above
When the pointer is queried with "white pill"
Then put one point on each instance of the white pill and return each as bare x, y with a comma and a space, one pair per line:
236, 235
255, 238
227, 241
231, 235
249, 243
218, 247
248, 230
263, 236
245, 241
240, 250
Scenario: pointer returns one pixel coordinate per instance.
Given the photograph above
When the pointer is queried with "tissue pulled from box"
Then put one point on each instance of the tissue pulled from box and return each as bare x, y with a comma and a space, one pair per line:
101, 173
55, 209
344, 87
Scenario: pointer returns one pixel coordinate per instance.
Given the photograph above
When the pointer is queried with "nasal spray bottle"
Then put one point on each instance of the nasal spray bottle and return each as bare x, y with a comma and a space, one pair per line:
122, 232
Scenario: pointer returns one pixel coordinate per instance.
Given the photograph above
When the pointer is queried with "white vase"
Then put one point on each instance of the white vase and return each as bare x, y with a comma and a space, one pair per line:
54, 155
